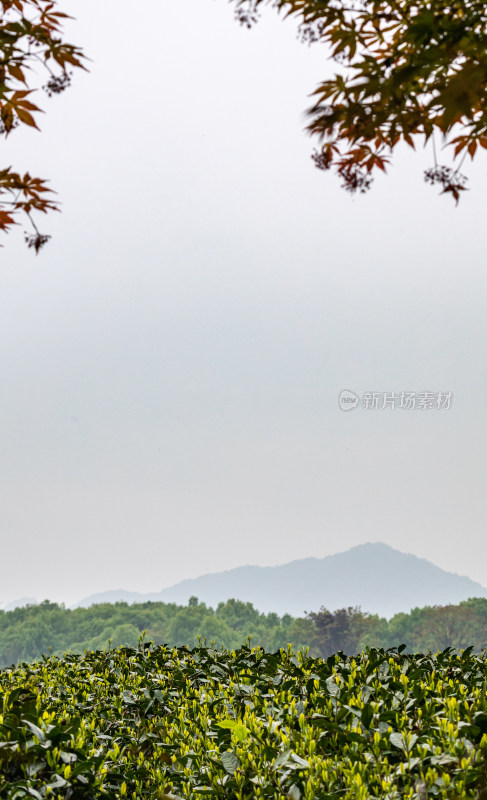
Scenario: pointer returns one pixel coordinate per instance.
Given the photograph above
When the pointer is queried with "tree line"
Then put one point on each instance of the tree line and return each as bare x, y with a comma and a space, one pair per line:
32, 631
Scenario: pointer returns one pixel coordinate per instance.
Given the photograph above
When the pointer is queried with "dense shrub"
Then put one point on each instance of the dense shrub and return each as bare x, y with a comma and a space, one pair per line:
171, 722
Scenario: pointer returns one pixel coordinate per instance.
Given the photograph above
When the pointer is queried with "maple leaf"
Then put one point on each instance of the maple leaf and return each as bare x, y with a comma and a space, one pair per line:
30, 33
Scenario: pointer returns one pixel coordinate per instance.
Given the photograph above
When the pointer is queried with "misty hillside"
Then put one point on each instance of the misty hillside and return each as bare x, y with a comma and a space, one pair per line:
376, 577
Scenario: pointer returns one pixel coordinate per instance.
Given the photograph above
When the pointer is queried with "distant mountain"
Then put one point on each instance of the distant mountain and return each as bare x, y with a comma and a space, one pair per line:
376, 577
20, 603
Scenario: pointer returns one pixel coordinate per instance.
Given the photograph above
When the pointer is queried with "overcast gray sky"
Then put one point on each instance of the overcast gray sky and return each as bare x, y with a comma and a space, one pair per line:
171, 362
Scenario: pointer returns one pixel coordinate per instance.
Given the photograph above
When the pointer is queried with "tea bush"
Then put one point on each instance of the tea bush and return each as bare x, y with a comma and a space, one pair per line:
161, 722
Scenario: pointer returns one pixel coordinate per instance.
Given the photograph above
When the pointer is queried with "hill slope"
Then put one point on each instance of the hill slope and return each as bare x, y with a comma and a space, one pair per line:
376, 577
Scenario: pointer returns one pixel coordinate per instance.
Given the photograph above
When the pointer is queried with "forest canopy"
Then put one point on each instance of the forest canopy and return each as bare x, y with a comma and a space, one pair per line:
30, 632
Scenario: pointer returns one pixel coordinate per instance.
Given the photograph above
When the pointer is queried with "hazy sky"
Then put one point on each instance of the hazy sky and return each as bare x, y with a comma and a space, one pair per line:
171, 362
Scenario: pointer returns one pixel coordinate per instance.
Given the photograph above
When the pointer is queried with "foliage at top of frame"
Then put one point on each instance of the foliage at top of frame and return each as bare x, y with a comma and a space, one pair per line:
30, 38
409, 69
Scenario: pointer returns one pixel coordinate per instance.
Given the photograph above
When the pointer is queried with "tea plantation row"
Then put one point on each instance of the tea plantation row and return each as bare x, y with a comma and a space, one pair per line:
161, 722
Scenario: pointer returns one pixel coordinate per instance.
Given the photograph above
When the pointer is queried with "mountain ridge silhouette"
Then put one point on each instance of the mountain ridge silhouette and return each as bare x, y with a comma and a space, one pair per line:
376, 577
